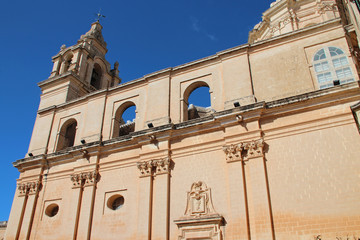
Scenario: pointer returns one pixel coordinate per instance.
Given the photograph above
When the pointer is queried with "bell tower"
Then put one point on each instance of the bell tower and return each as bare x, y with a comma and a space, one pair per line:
79, 70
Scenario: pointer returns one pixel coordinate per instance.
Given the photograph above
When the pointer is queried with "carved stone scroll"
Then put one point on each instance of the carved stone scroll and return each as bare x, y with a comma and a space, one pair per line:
244, 150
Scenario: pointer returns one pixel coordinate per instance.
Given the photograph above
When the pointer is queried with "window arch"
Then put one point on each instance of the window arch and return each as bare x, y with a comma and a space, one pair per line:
96, 75
332, 67
67, 134
197, 101
124, 120
67, 62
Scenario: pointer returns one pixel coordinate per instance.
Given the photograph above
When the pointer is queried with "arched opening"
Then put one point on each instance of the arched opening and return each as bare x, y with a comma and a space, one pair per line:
332, 67
67, 135
95, 81
197, 101
67, 62
124, 121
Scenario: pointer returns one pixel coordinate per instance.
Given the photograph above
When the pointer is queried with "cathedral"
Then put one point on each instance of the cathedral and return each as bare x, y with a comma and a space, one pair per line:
275, 156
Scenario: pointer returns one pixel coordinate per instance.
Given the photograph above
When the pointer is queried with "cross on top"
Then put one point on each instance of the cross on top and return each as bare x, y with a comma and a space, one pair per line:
99, 16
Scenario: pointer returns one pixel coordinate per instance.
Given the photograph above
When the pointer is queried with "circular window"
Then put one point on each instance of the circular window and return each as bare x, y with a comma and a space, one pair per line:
52, 210
115, 202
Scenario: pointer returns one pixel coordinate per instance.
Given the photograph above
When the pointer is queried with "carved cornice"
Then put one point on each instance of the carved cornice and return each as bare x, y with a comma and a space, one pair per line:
28, 188
84, 179
154, 167
244, 150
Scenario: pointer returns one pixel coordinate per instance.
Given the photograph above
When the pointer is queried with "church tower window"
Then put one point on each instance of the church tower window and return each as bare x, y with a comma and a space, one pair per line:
96, 77
67, 135
332, 67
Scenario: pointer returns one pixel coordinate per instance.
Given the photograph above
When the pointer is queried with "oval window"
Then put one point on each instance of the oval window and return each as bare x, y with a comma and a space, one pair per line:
115, 202
52, 210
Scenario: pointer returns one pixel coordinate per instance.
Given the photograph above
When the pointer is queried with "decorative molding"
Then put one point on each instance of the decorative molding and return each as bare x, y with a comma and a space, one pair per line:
154, 167
244, 150
28, 188
84, 179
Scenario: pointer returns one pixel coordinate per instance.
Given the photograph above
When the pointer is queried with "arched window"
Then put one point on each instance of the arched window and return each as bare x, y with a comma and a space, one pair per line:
332, 67
197, 100
67, 62
96, 77
67, 135
124, 121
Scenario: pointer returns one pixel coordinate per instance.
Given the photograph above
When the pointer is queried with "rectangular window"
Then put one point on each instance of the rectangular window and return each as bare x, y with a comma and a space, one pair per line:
324, 77
320, 67
340, 62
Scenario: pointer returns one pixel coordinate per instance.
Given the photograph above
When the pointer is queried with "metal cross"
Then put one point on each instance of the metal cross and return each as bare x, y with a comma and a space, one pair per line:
99, 16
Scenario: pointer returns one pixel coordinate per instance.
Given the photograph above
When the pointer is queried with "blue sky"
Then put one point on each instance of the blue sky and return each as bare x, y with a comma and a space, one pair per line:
143, 36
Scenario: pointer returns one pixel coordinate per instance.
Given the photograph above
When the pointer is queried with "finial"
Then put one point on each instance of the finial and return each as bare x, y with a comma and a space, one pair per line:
99, 16
63, 47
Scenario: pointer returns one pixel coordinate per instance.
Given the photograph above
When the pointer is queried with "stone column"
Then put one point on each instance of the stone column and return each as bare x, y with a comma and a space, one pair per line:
239, 216
145, 200
28, 214
260, 216
85, 213
83, 182
161, 197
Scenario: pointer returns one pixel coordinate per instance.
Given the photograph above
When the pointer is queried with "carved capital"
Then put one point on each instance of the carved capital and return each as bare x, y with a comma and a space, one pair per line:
90, 178
84, 179
145, 168
233, 152
244, 150
154, 167
254, 148
28, 188
162, 166
22, 189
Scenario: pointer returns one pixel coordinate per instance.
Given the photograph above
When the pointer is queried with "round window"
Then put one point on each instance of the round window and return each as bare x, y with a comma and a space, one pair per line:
52, 210
115, 202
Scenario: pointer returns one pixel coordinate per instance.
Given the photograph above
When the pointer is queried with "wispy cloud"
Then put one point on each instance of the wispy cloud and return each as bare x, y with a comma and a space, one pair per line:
195, 26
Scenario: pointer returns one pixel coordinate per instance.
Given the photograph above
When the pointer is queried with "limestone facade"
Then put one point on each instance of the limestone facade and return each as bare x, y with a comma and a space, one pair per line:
274, 157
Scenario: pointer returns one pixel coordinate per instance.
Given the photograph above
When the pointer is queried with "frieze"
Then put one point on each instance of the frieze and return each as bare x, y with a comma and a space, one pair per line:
244, 150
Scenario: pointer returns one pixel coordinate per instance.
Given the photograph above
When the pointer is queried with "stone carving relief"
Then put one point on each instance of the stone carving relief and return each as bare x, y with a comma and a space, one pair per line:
154, 167
28, 188
200, 220
244, 150
199, 201
84, 179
